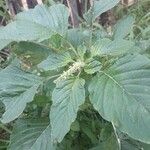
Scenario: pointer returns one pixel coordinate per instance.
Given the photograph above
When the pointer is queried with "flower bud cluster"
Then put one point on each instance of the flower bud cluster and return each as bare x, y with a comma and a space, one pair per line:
77, 66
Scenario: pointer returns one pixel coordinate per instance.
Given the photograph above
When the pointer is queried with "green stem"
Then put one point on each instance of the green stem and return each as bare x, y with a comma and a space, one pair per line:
51, 77
115, 131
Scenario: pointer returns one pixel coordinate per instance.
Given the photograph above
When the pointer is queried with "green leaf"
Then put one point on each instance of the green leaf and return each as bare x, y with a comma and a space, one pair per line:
78, 37
109, 144
145, 146
75, 126
17, 88
67, 97
108, 140
99, 7
130, 145
89, 133
2, 13
3, 42
41, 100
99, 45
121, 95
116, 47
123, 27
81, 50
92, 66
32, 52
55, 61
31, 135
36, 24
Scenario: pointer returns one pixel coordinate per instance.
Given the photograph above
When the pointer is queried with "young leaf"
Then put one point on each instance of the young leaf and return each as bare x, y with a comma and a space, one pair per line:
99, 7
92, 66
78, 37
116, 47
17, 88
55, 61
36, 24
67, 97
121, 95
81, 50
31, 135
98, 45
123, 27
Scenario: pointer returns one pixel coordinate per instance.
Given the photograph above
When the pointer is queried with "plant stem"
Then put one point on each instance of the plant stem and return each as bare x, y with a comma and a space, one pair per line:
115, 131
51, 77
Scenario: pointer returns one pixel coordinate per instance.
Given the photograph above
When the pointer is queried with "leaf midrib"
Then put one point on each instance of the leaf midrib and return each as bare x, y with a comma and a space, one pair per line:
124, 90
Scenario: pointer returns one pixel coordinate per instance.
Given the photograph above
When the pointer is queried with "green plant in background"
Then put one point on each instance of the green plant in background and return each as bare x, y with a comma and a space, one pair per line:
2, 5
80, 88
141, 12
3, 12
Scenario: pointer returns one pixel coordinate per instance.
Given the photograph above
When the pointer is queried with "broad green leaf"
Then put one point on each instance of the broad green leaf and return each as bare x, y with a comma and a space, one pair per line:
100, 34
36, 24
78, 37
31, 135
67, 97
123, 27
31, 52
57, 43
92, 66
99, 7
116, 47
121, 95
17, 88
99, 45
4, 43
55, 61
